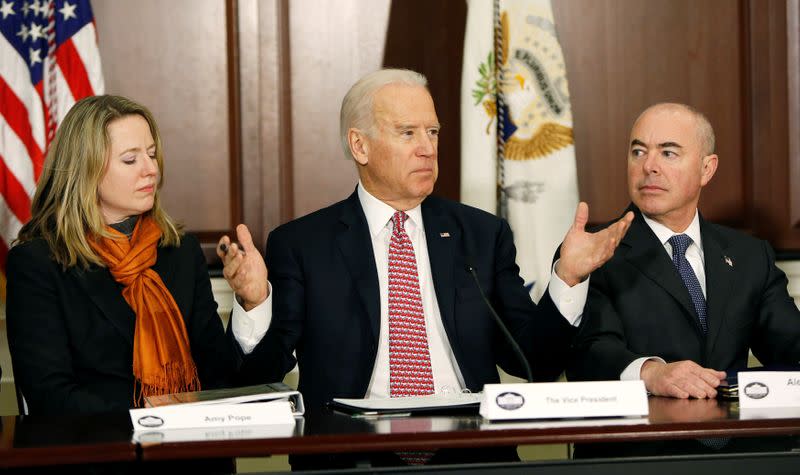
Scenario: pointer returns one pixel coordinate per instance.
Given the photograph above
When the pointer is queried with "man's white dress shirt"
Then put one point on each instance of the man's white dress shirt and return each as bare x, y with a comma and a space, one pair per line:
694, 254
250, 327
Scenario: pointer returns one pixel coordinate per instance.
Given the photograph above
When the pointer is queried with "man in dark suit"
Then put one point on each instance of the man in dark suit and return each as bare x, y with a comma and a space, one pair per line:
682, 300
375, 293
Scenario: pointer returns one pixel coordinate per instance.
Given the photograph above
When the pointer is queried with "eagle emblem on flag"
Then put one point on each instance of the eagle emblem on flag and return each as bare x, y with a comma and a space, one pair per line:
533, 101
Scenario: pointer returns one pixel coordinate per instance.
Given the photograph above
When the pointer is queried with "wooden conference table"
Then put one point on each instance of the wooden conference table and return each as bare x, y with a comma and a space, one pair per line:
36, 441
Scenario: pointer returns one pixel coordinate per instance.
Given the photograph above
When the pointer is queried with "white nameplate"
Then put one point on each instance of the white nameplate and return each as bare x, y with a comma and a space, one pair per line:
769, 412
179, 416
162, 436
564, 400
759, 389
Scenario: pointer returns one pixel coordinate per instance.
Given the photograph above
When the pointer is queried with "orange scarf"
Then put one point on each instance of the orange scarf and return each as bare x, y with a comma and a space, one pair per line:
162, 359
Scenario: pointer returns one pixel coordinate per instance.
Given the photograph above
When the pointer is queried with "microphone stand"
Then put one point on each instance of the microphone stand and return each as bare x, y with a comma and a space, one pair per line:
514, 346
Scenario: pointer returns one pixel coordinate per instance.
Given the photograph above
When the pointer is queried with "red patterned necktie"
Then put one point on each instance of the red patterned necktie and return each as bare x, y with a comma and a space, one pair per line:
409, 360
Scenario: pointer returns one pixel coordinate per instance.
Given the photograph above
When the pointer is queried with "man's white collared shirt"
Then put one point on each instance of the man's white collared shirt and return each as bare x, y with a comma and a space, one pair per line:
695, 256
250, 327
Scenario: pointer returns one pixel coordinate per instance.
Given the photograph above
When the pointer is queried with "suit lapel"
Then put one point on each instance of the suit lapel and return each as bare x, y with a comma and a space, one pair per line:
105, 293
646, 253
719, 279
353, 239
442, 236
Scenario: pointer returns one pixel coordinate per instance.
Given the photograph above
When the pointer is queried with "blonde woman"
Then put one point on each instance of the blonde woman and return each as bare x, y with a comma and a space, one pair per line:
108, 300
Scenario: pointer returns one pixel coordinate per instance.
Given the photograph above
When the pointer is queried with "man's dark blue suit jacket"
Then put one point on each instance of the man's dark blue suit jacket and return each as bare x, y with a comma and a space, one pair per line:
639, 306
326, 303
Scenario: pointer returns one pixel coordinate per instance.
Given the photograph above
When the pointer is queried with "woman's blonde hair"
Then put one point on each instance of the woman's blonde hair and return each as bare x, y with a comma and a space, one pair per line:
65, 211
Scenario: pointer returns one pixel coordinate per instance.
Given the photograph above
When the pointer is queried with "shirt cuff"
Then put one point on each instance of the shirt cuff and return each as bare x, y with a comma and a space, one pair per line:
568, 300
633, 371
250, 327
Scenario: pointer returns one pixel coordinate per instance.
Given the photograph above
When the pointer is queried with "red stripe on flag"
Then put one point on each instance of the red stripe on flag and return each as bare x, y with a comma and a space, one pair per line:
38, 164
74, 70
18, 200
16, 115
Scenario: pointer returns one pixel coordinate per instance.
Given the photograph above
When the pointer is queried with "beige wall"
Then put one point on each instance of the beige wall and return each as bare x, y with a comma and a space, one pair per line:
172, 57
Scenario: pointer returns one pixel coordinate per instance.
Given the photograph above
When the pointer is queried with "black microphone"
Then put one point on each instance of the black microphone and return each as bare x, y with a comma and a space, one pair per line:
506, 333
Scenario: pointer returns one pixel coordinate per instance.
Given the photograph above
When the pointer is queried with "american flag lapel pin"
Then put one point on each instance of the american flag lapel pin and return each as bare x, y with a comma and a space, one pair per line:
728, 261
444, 235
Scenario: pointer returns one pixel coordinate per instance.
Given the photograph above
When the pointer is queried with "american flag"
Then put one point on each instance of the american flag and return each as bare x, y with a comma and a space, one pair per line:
48, 60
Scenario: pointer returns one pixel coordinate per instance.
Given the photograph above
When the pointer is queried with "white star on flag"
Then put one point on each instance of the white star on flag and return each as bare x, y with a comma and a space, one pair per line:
25, 9
24, 32
68, 11
35, 56
35, 7
36, 31
7, 9
44, 8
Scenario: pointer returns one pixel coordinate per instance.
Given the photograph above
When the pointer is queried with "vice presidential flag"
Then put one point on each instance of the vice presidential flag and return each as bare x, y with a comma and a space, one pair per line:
519, 89
48, 60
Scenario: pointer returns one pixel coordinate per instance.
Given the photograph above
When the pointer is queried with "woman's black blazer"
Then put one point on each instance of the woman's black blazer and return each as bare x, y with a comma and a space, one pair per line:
71, 332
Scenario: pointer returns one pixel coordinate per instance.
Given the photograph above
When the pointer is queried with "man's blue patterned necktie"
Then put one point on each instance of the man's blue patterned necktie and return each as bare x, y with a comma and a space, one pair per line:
680, 242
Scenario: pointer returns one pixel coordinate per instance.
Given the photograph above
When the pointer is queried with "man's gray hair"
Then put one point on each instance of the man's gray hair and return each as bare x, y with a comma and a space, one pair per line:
705, 131
357, 104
